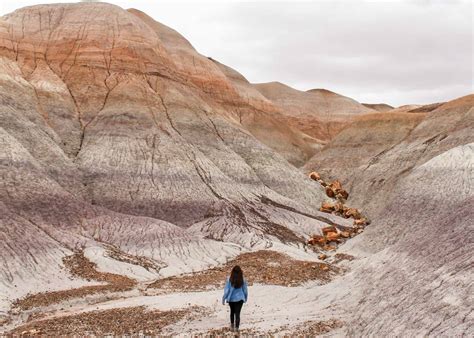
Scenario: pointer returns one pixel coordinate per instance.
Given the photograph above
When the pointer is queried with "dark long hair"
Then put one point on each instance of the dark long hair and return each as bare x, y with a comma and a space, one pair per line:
237, 277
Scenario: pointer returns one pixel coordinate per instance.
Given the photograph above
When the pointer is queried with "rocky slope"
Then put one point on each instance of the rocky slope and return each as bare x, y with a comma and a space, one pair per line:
127, 158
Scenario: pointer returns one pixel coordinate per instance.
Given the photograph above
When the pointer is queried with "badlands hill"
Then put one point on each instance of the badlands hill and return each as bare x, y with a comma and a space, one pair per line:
319, 113
135, 172
414, 176
116, 133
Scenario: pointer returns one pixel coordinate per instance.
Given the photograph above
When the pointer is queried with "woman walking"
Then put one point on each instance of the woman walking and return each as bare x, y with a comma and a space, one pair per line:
235, 293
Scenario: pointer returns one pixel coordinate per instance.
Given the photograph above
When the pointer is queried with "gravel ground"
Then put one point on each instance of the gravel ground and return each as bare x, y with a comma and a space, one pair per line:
125, 321
263, 267
81, 267
306, 329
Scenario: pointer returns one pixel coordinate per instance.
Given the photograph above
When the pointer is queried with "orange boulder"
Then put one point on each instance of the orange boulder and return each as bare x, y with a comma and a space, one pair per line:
333, 237
354, 213
329, 229
327, 207
344, 194
339, 207
345, 234
317, 240
330, 192
336, 185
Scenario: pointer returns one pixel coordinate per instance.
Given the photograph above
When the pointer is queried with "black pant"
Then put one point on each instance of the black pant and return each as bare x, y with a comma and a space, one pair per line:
235, 308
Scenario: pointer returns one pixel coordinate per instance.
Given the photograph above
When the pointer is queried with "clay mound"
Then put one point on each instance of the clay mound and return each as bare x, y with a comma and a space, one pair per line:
427, 108
423, 229
406, 108
416, 108
381, 107
319, 113
413, 108
242, 103
464, 102
265, 124
323, 91
368, 136
413, 175
371, 153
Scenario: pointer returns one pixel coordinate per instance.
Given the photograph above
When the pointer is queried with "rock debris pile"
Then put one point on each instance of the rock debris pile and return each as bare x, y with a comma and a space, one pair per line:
334, 234
306, 329
263, 267
314, 328
142, 261
131, 321
79, 266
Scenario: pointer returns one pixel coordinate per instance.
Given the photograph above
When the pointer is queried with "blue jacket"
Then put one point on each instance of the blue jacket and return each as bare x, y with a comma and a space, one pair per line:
232, 294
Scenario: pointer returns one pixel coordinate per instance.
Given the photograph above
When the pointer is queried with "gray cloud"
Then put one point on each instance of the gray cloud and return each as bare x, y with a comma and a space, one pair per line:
397, 52
404, 52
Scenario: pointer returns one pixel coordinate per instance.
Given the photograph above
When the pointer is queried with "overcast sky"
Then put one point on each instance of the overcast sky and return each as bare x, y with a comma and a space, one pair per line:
397, 52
